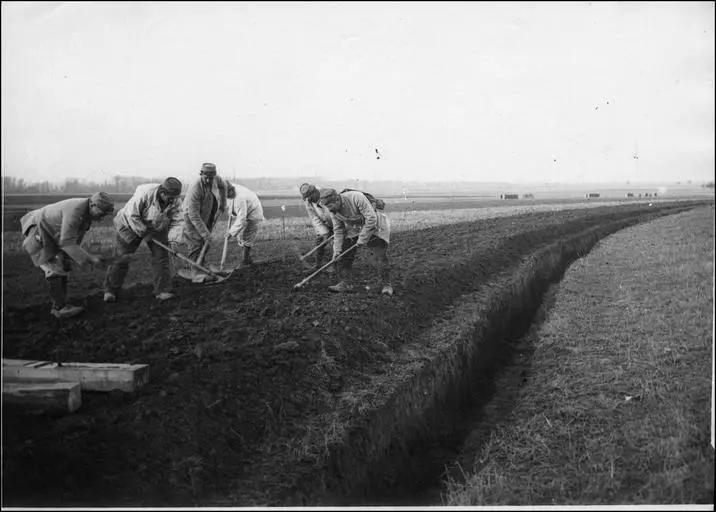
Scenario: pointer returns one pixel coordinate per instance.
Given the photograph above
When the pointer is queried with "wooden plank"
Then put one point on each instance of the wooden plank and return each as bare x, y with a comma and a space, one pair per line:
91, 376
42, 396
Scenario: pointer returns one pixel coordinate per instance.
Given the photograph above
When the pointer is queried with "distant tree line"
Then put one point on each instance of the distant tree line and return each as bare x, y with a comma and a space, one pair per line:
119, 184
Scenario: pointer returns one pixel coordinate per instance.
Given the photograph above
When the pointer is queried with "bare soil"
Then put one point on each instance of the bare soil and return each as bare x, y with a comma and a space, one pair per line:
239, 370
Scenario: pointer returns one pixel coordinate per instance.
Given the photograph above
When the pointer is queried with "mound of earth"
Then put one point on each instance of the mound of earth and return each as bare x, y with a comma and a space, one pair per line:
242, 372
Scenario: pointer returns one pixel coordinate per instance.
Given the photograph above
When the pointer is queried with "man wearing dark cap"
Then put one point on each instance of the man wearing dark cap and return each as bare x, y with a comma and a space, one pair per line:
52, 236
320, 218
205, 201
149, 214
357, 222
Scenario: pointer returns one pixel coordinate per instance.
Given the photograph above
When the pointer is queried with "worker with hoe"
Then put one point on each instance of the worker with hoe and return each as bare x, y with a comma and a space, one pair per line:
204, 202
320, 218
148, 215
246, 213
357, 222
52, 236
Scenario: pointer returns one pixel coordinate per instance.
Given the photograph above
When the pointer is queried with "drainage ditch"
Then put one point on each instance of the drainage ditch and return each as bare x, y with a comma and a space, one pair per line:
405, 451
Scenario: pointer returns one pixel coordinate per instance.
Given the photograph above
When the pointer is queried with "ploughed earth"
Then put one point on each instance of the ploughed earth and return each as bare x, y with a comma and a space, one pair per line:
243, 372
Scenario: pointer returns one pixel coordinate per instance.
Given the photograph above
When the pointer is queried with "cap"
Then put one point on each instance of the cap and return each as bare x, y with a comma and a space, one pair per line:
307, 190
208, 169
172, 186
103, 201
329, 195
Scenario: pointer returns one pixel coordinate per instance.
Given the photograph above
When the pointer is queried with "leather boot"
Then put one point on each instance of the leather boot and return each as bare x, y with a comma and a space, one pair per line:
58, 293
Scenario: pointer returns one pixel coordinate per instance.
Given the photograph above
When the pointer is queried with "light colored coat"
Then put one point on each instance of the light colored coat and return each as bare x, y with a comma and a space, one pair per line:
143, 213
61, 226
319, 216
357, 218
197, 207
246, 208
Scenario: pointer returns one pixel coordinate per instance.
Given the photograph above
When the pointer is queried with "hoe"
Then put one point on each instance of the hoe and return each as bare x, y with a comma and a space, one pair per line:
303, 258
298, 286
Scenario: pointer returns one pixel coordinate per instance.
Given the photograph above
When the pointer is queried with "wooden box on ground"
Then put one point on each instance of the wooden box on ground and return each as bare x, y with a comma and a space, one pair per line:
44, 396
91, 376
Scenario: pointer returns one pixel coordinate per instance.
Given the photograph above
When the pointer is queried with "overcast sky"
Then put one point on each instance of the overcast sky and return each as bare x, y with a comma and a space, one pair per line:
520, 92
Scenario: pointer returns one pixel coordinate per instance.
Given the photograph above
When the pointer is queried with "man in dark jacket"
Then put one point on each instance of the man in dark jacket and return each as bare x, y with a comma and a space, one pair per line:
52, 236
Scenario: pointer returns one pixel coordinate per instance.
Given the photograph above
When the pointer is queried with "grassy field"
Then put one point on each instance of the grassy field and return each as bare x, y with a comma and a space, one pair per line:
615, 402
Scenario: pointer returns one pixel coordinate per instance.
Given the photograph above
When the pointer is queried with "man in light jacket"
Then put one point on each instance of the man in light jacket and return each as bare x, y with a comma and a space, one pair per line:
357, 222
320, 219
149, 214
204, 202
245, 215
52, 236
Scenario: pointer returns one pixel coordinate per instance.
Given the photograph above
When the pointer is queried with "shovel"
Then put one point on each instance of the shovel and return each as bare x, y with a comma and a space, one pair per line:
215, 278
299, 285
225, 250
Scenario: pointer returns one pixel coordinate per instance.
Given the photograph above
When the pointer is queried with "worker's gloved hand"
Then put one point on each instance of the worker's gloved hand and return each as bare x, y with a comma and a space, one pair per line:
228, 235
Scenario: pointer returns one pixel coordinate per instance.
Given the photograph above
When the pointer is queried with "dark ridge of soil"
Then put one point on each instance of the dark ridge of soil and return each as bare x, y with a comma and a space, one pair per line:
413, 469
417, 475
237, 367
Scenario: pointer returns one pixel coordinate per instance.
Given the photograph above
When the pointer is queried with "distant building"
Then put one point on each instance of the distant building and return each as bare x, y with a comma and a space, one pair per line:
589, 195
509, 196
528, 196
629, 194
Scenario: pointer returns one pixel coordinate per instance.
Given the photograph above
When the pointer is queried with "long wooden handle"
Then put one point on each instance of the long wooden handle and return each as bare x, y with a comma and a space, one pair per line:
317, 247
202, 254
226, 245
299, 285
184, 258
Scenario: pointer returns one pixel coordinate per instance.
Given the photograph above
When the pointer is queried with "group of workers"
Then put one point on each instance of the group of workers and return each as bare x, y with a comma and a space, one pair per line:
157, 215
354, 222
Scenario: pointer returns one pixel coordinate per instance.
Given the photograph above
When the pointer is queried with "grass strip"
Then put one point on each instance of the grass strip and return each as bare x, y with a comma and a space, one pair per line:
616, 405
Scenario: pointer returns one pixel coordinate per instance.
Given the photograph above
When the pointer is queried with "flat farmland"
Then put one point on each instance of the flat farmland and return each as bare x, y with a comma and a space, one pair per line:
259, 396
16, 205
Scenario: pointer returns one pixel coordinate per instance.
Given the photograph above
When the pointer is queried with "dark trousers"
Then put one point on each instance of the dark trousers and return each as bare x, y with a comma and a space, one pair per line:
117, 272
58, 291
377, 252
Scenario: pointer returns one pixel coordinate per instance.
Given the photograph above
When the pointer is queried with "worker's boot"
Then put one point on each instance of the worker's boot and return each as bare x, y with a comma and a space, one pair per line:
342, 287
58, 294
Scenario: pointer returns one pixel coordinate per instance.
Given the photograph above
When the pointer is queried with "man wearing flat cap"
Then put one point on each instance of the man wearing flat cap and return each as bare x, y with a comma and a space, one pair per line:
52, 236
204, 202
357, 223
320, 219
149, 214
